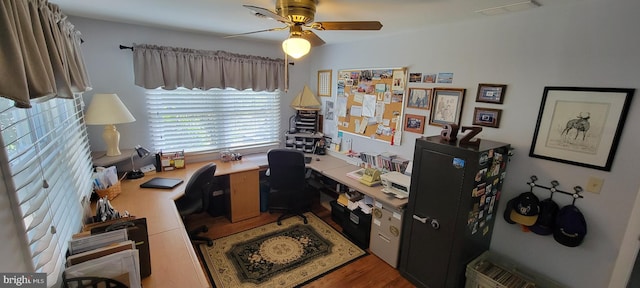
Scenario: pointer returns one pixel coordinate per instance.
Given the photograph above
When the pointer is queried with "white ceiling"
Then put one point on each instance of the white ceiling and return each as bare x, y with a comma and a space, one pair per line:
226, 17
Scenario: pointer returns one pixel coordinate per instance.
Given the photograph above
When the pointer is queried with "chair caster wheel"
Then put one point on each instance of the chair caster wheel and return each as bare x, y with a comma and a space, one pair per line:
279, 223
305, 221
209, 243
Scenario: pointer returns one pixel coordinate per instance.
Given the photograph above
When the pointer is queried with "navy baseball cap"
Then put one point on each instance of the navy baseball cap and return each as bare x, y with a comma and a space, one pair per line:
571, 227
546, 218
525, 209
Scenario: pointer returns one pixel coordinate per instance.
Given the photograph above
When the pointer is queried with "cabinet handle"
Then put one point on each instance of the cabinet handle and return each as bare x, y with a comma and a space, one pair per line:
421, 219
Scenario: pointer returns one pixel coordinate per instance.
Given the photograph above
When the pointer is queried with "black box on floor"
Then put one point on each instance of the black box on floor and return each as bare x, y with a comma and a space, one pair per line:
357, 226
217, 204
339, 213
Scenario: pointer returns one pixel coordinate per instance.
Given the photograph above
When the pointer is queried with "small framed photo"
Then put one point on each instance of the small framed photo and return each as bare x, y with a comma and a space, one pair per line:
419, 98
491, 93
487, 117
446, 106
414, 123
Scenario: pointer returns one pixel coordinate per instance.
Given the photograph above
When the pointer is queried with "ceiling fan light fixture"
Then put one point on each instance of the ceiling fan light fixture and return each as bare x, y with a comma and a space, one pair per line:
296, 47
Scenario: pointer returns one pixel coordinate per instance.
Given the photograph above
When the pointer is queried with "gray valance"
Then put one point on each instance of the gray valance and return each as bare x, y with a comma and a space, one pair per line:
40, 56
169, 68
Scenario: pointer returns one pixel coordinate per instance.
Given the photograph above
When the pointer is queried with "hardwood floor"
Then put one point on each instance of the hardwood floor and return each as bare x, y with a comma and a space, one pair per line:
368, 271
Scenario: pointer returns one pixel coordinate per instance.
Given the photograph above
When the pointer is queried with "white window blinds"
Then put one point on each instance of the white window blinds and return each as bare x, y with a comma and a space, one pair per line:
49, 165
196, 120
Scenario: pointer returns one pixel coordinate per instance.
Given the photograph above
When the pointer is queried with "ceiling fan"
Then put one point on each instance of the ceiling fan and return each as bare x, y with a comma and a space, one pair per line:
299, 14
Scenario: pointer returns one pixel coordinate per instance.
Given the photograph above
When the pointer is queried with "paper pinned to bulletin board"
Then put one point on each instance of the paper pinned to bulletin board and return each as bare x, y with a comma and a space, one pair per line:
369, 102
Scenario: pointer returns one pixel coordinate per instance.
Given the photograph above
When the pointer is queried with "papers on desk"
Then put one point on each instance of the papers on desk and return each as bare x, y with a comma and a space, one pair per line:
364, 202
96, 241
108, 255
121, 266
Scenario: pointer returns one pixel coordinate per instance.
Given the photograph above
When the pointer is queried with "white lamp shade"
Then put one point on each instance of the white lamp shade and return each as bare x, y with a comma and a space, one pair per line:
296, 47
106, 109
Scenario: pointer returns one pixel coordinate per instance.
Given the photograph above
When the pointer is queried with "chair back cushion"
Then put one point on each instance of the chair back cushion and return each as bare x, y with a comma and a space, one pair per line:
287, 169
196, 193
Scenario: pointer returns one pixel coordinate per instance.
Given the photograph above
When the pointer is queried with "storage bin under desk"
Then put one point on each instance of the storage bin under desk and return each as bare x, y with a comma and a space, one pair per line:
339, 213
357, 226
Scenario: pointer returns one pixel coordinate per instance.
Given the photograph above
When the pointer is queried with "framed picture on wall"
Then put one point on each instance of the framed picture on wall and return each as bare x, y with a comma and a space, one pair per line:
486, 117
446, 106
419, 98
324, 83
580, 126
491, 93
414, 123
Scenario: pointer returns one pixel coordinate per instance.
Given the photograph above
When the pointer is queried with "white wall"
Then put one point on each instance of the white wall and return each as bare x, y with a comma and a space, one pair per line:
587, 44
111, 69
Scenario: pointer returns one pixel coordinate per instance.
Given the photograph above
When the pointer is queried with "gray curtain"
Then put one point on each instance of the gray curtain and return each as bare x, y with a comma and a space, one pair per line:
40, 56
170, 67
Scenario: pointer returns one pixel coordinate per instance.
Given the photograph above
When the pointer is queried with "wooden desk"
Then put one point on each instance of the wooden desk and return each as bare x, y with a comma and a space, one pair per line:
326, 163
340, 174
173, 259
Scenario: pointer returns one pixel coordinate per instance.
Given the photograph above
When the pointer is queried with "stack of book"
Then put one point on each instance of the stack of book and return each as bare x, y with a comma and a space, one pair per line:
385, 161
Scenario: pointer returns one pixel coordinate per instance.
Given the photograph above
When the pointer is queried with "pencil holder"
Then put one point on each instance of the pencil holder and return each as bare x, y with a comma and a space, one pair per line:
111, 191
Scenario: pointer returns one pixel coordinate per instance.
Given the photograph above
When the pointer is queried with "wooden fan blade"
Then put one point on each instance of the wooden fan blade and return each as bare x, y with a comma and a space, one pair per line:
312, 38
347, 25
259, 31
262, 12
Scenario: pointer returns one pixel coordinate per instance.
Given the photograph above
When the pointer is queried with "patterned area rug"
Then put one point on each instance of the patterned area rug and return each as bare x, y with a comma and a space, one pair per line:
278, 256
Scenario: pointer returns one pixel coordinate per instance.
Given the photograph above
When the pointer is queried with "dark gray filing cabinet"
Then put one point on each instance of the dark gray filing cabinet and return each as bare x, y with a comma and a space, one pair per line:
452, 207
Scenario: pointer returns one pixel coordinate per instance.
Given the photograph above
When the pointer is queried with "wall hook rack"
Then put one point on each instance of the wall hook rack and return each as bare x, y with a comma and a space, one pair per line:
553, 189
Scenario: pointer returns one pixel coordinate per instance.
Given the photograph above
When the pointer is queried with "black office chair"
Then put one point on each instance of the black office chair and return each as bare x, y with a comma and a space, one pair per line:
196, 199
288, 184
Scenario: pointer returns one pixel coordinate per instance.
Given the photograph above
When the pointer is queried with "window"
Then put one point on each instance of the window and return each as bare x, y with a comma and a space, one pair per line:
46, 144
212, 120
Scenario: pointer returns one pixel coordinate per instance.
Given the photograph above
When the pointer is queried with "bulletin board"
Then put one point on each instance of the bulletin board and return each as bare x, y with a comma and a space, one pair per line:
370, 102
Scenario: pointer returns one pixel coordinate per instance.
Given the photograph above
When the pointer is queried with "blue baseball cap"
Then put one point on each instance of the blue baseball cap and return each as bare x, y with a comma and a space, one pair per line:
546, 218
571, 227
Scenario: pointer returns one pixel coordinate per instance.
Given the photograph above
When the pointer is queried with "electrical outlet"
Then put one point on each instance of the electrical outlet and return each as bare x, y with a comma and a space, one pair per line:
594, 184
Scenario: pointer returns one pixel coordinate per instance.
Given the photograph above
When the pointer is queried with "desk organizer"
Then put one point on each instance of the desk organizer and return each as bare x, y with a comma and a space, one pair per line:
172, 160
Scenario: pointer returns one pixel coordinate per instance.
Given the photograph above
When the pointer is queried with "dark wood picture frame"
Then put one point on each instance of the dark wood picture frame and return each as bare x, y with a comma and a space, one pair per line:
419, 98
446, 106
487, 117
414, 123
491, 93
581, 126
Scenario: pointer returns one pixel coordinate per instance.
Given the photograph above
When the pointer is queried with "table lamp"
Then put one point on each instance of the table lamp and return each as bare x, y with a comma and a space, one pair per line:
108, 110
142, 153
